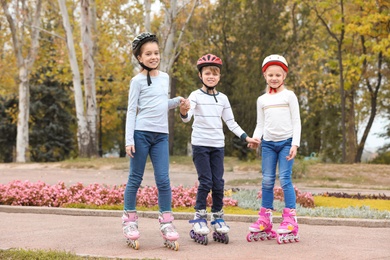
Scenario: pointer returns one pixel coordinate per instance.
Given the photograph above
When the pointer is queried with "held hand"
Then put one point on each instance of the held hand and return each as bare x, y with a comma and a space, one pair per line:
130, 150
184, 106
253, 143
293, 153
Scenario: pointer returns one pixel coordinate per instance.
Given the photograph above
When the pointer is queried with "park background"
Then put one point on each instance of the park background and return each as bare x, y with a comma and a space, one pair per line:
65, 68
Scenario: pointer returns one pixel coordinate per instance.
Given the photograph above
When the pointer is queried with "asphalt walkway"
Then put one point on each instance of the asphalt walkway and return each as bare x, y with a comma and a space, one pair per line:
98, 233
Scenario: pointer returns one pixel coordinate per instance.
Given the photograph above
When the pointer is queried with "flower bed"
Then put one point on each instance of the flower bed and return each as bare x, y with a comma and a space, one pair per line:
25, 193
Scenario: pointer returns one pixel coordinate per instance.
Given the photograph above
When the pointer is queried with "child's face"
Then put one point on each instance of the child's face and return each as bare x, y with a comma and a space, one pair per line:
150, 55
210, 75
274, 76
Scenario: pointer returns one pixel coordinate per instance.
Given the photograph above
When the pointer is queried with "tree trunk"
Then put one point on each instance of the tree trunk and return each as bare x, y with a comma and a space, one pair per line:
87, 30
351, 127
24, 65
171, 52
148, 7
82, 130
374, 101
23, 116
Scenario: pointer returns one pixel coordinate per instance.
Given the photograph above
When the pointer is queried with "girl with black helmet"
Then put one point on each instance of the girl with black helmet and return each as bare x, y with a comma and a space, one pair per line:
209, 106
279, 128
147, 134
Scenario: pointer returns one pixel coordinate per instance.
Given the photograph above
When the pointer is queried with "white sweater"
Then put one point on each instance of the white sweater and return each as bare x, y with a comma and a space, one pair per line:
278, 117
207, 128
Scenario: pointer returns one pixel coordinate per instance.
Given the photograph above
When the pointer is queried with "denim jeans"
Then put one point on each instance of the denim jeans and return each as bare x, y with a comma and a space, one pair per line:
208, 162
274, 153
156, 145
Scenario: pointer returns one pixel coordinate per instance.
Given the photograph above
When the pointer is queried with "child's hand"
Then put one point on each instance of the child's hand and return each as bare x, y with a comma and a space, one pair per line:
184, 106
293, 153
130, 150
253, 143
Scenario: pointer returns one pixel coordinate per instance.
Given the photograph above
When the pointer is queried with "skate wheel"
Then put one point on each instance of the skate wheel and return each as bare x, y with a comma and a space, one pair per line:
192, 234
249, 237
136, 245
133, 244
205, 241
279, 239
226, 239
175, 246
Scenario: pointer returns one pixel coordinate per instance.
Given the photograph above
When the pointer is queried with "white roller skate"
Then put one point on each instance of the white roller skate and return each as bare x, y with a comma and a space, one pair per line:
220, 228
200, 230
168, 230
262, 228
288, 229
130, 228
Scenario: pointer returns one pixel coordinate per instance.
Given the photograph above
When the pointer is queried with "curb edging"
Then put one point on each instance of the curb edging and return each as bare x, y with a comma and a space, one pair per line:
369, 223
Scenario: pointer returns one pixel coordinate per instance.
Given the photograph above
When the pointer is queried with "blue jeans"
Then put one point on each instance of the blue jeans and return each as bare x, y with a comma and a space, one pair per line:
208, 162
274, 153
156, 145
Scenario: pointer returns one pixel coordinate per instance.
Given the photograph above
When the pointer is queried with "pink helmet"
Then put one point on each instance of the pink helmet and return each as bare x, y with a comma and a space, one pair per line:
209, 60
275, 59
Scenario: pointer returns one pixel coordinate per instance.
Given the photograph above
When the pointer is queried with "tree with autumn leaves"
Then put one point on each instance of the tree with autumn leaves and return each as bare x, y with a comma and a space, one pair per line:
338, 53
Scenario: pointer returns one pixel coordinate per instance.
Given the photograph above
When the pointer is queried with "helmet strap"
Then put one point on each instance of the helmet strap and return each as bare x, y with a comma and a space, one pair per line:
148, 74
210, 89
275, 90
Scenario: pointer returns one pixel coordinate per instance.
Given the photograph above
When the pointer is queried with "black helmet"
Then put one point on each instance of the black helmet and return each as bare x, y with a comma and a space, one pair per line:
140, 40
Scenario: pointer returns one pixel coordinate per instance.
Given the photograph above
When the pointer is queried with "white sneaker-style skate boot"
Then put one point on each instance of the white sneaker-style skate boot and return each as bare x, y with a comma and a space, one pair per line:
219, 226
200, 229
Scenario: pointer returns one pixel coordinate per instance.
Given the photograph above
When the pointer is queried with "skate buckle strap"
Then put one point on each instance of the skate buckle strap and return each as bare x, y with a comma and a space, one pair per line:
289, 223
218, 221
200, 220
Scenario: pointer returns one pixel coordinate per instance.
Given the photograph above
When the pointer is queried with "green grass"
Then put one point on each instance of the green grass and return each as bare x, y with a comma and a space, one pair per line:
96, 163
21, 254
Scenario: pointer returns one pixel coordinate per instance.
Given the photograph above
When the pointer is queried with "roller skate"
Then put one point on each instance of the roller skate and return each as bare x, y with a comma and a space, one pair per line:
220, 228
130, 228
200, 230
288, 229
168, 230
262, 228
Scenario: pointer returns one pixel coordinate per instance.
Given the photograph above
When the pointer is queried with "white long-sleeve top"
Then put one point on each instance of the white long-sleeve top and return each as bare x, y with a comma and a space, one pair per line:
148, 106
207, 128
278, 117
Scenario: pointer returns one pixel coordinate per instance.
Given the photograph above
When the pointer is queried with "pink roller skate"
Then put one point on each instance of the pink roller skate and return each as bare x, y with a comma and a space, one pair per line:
130, 228
288, 229
168, 230
262, 228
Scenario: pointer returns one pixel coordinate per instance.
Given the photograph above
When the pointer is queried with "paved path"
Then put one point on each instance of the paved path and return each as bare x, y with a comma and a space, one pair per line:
101, 236
98, 233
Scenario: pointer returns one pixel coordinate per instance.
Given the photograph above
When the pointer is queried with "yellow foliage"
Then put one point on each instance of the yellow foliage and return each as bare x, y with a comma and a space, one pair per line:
324, 201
